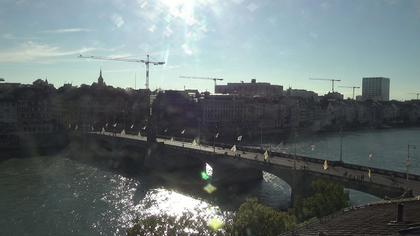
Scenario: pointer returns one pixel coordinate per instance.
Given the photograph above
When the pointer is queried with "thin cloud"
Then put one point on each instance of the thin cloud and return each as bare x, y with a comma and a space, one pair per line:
9, 36
67, 30
34, 52
117, 20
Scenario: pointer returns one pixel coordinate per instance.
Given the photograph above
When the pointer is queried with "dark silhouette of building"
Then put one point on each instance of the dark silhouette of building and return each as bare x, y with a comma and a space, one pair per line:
252, 89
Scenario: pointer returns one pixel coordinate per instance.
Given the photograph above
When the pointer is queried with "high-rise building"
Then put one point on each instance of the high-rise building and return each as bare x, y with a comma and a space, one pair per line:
375, 88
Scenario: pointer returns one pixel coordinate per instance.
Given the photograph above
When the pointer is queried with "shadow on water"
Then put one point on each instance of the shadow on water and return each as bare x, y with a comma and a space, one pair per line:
272, 191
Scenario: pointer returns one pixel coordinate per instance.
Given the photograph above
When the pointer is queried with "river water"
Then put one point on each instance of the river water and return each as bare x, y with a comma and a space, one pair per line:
54, 195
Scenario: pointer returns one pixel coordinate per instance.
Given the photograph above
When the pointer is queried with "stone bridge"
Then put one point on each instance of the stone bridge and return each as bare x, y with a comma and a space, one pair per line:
245, 165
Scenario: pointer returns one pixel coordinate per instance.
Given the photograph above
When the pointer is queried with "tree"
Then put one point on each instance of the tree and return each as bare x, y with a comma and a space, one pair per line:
327, 197
156, 225
254, 219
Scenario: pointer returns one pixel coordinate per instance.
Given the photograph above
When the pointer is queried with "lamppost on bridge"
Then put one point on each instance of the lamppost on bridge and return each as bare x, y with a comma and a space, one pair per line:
261, 137
214, 141
341, 145
407, 163
294, 148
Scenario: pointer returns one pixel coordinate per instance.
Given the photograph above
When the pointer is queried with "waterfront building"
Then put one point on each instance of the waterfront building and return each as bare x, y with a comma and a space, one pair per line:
253, 89
301, 93
8, 111
375, 88
175, 111
235, 114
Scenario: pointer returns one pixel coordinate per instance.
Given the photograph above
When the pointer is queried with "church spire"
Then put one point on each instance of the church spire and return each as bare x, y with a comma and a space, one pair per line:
100, 79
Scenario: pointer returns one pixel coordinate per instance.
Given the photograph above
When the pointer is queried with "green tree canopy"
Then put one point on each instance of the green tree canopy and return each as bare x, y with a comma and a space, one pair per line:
327, 197
255, 219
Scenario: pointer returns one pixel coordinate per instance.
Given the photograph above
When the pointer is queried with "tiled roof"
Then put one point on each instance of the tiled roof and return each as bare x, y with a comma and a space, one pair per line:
374, 219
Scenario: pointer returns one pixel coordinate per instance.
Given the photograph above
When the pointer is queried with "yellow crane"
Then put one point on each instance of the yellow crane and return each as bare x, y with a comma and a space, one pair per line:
146, 62
206, 78
332, 81
352, 87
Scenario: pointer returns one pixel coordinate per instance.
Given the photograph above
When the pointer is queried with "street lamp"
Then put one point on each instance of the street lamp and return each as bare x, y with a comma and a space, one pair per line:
294, 147
214, 141
261, 137
341, 145
407, 164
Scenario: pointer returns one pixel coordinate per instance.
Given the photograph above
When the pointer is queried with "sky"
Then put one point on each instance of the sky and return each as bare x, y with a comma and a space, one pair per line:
282, 42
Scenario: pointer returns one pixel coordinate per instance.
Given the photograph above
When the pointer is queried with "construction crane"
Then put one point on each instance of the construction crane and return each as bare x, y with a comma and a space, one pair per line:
207, 78
146, 62
352, 87
416, 94
332, 81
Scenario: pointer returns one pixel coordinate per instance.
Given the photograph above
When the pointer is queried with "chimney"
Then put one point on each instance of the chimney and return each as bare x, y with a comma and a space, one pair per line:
400, 213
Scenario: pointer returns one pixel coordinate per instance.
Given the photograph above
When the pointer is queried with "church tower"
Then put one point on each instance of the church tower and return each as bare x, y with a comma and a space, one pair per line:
100, 79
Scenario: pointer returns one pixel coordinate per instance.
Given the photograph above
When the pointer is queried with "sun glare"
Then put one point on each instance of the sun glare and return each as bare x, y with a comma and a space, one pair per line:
181, 9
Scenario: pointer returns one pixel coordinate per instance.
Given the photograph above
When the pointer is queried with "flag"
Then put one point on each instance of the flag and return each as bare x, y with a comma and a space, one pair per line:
240, 138
183, 131
132, 126
209, 170
325, 165
370, 173
123, 132
115, 125
407, 163
233, 149
266, 155
217, 135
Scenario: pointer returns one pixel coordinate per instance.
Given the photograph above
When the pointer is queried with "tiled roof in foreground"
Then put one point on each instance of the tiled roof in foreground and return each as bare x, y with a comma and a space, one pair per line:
373, 219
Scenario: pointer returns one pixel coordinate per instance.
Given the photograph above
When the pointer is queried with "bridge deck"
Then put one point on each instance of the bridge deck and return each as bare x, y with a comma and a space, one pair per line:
350, 172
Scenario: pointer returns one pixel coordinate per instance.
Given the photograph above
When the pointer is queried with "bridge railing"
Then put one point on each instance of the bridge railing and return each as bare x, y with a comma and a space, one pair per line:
304, 158
342, 164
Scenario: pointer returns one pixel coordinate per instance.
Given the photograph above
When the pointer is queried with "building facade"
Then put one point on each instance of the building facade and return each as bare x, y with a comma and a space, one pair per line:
252, 89
375, 88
